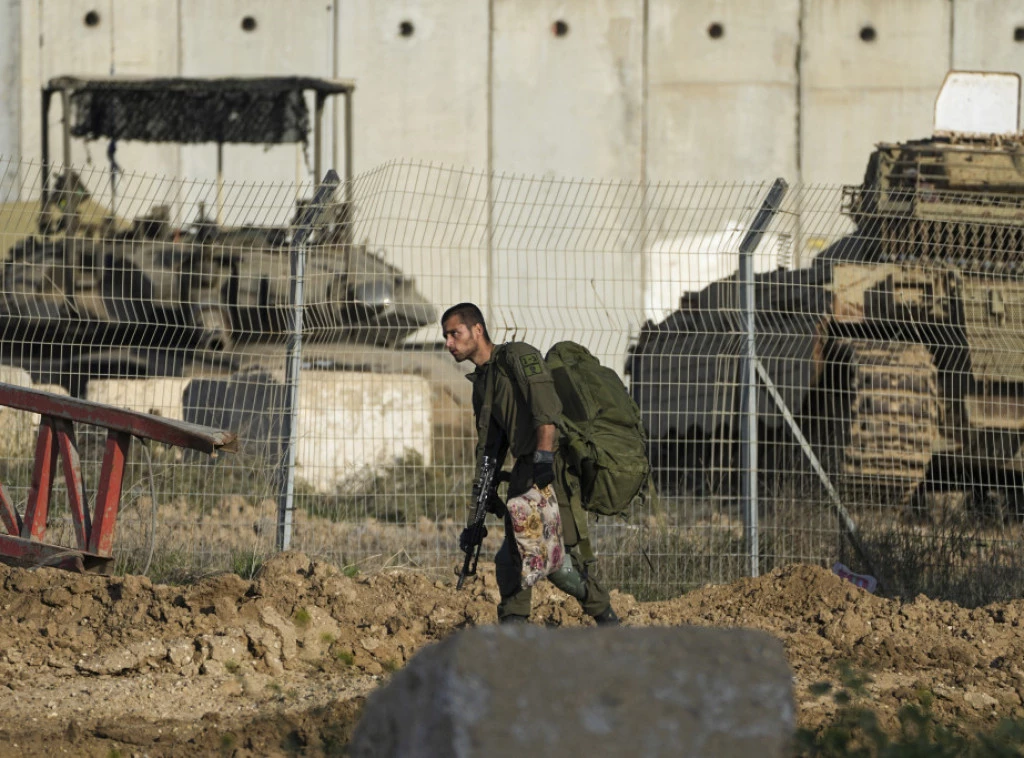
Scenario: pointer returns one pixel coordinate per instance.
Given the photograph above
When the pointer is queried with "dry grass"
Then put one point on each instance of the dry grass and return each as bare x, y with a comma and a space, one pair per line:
216, 517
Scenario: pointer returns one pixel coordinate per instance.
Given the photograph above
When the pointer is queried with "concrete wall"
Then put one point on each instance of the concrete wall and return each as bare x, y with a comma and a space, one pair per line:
567, 102
422, 94
870, 71
702, 90
988, 36
296, 38
10, 99
722, 89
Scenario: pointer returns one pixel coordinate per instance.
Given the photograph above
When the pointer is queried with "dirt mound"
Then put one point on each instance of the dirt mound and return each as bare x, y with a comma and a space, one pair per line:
968, 659
281, 664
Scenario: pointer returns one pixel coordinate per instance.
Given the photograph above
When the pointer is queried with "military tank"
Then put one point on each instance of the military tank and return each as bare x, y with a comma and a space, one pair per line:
900, 350
91, 295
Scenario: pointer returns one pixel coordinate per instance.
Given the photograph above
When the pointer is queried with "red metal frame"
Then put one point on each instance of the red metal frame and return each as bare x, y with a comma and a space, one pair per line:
24, 543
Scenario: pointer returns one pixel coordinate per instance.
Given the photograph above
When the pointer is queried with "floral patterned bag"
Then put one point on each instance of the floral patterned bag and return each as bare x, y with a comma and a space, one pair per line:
538, 530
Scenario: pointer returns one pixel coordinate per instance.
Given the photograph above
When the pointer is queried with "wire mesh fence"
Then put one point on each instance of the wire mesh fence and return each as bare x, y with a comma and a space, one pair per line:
888, 363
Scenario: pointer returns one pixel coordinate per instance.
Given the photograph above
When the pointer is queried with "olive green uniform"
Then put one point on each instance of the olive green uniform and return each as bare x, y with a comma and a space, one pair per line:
524, 399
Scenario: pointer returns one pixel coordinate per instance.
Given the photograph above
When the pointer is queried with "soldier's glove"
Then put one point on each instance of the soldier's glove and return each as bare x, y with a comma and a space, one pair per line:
543, 468
472, 536
496, 505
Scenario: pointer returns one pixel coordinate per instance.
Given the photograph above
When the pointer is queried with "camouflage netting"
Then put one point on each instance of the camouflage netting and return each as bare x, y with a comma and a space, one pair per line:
261, 111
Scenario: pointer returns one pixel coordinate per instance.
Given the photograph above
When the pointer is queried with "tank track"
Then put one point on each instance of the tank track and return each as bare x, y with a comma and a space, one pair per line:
895, 417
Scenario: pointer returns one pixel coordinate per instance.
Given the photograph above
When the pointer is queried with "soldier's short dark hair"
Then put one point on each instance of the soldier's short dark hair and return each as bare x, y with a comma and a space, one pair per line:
470, 315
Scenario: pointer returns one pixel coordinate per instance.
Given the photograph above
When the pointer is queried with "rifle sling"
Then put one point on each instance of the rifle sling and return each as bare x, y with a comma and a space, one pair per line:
483, 421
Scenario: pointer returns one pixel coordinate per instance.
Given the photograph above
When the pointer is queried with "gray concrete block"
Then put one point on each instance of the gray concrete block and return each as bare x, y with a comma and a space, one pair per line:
529, 691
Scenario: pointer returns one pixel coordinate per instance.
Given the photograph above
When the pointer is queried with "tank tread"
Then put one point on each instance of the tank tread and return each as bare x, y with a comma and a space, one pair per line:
894, 416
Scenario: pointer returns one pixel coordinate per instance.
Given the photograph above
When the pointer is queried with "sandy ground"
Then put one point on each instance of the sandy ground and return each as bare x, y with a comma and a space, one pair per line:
100, 666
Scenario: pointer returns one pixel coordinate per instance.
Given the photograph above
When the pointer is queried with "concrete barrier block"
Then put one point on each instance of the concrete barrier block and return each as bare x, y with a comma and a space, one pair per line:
352, 421
20, 427
348, 422
160, 397
518, 691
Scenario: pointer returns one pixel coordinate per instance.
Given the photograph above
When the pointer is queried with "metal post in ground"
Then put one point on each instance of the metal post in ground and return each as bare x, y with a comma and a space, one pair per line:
748, 372
293, 363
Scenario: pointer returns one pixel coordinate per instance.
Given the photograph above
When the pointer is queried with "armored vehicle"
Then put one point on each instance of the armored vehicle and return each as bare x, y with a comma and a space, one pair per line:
900, 350
87, 294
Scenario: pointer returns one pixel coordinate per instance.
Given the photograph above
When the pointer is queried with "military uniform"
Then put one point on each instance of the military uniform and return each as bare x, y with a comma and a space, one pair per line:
524, 399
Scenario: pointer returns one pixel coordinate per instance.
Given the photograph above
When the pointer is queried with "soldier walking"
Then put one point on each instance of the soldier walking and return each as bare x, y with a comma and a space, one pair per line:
516, 407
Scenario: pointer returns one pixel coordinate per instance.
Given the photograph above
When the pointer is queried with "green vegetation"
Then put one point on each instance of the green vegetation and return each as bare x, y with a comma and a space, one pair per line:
228, 743
245, 563
344, 656
302, 618
954, 555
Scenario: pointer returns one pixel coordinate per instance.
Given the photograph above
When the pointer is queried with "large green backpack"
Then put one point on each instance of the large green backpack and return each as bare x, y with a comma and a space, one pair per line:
602, 435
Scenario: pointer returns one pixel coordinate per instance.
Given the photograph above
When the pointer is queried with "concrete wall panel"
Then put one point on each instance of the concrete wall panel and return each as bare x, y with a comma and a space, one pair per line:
871, 70
421, 74
421, 93
10, 97
76, 37
145, 43
86, 38
294, 38
988, 36
722, 90
567, 105
348, 422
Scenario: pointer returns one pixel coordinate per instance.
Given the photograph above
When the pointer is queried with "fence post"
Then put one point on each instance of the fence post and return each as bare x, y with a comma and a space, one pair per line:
748, 371
293, 362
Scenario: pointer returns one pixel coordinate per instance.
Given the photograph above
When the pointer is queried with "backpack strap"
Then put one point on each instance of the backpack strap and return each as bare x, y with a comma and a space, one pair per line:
502, 361
483, 421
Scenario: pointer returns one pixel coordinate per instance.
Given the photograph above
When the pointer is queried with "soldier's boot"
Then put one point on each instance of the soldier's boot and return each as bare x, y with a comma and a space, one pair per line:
513, 618
607, 617
569, 580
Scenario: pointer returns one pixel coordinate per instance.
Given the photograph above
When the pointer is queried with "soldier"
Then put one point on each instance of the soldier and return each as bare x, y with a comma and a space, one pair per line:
523, 410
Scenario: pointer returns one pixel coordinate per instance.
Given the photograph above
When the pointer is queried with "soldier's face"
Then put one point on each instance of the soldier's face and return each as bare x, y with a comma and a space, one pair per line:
460, 340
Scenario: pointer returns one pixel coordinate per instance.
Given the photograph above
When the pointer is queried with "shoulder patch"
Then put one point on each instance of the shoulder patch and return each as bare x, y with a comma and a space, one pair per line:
531, 365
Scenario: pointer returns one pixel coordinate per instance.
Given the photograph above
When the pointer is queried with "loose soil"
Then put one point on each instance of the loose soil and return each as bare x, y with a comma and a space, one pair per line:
281, 665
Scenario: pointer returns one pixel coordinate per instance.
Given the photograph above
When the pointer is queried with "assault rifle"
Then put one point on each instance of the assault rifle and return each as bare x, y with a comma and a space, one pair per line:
482, 490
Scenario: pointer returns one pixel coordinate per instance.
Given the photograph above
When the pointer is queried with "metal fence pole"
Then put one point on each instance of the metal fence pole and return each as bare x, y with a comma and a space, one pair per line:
293, 363
748, 371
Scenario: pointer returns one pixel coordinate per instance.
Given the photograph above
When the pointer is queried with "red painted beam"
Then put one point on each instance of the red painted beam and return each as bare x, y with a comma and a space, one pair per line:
43, 473
168, 431
24, 544
10, 517
108, 494
22, 552
72, 466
